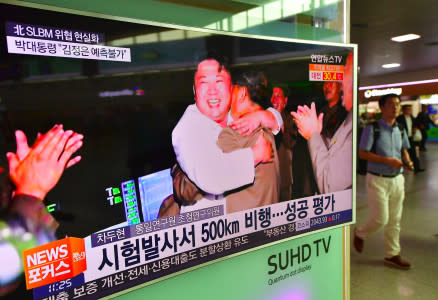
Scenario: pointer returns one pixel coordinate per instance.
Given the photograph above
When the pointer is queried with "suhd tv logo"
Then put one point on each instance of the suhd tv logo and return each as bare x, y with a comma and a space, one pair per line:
54, 262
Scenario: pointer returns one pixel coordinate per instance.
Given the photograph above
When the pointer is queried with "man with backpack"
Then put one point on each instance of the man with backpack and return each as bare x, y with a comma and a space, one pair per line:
385, 147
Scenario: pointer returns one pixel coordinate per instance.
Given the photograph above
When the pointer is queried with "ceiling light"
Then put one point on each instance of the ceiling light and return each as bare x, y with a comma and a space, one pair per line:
406, 37
394, 65
382, 86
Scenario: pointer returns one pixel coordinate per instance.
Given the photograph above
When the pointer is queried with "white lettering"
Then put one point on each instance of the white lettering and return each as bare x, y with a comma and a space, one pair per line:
41, 257
374, 93
45, 33
32, 260
125, 92
58, 252
30, 31
64, 251
47, 255
18, 29
52, 253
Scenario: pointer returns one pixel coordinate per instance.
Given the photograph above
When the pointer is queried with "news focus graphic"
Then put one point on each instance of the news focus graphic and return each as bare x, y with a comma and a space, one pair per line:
53, 262
48, 41
326, 68
128, 256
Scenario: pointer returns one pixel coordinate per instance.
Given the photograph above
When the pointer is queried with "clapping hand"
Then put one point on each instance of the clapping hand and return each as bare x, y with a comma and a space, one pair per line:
36, 170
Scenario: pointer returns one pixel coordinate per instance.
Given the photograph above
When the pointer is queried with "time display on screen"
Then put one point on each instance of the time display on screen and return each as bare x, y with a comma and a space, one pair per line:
56, 287
59, 286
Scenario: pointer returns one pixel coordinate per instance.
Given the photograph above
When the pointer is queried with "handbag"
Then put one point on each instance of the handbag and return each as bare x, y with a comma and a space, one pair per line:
417, 135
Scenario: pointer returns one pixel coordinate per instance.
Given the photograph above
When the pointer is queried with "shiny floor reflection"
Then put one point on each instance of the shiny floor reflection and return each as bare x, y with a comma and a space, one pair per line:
370, 279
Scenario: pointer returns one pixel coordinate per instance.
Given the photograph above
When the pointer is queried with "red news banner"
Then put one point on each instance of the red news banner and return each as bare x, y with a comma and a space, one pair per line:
319, 72
54, 261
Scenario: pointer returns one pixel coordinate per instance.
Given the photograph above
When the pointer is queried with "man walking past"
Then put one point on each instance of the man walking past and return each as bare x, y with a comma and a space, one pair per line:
387, 155
423, 120
407, 122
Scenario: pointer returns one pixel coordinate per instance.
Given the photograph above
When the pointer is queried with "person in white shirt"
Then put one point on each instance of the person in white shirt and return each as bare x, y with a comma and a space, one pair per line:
407, 121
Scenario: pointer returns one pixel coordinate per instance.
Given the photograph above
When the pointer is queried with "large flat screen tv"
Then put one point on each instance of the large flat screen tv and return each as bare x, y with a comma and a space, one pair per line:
188, 137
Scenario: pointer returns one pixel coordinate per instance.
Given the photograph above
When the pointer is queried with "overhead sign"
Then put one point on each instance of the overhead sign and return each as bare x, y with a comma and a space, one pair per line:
376, 93
430, 100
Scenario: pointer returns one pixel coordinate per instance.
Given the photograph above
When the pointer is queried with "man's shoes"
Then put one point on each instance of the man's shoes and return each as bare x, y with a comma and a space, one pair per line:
397, 262
357, 242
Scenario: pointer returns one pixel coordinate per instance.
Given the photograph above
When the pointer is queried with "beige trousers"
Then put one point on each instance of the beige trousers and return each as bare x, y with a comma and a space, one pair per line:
385, 203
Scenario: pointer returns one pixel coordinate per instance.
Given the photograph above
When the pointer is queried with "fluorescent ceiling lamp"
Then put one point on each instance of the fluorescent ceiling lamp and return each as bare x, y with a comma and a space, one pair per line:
394, 65
382, 86
406, 37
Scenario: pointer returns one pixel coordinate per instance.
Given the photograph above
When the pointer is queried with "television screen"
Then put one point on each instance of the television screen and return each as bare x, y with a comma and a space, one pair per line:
187, 138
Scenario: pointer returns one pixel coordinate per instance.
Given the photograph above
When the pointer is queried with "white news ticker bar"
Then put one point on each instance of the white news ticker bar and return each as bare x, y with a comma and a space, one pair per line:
343, 201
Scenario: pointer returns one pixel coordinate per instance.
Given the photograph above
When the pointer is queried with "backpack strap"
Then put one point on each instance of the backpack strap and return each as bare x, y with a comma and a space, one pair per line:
376, 131
402, 130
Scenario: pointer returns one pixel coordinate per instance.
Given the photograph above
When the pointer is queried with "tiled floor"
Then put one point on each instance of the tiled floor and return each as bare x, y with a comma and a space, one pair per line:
370, 279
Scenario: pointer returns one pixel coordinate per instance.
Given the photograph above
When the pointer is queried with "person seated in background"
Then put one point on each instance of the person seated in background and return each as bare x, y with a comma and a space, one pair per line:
25, 221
